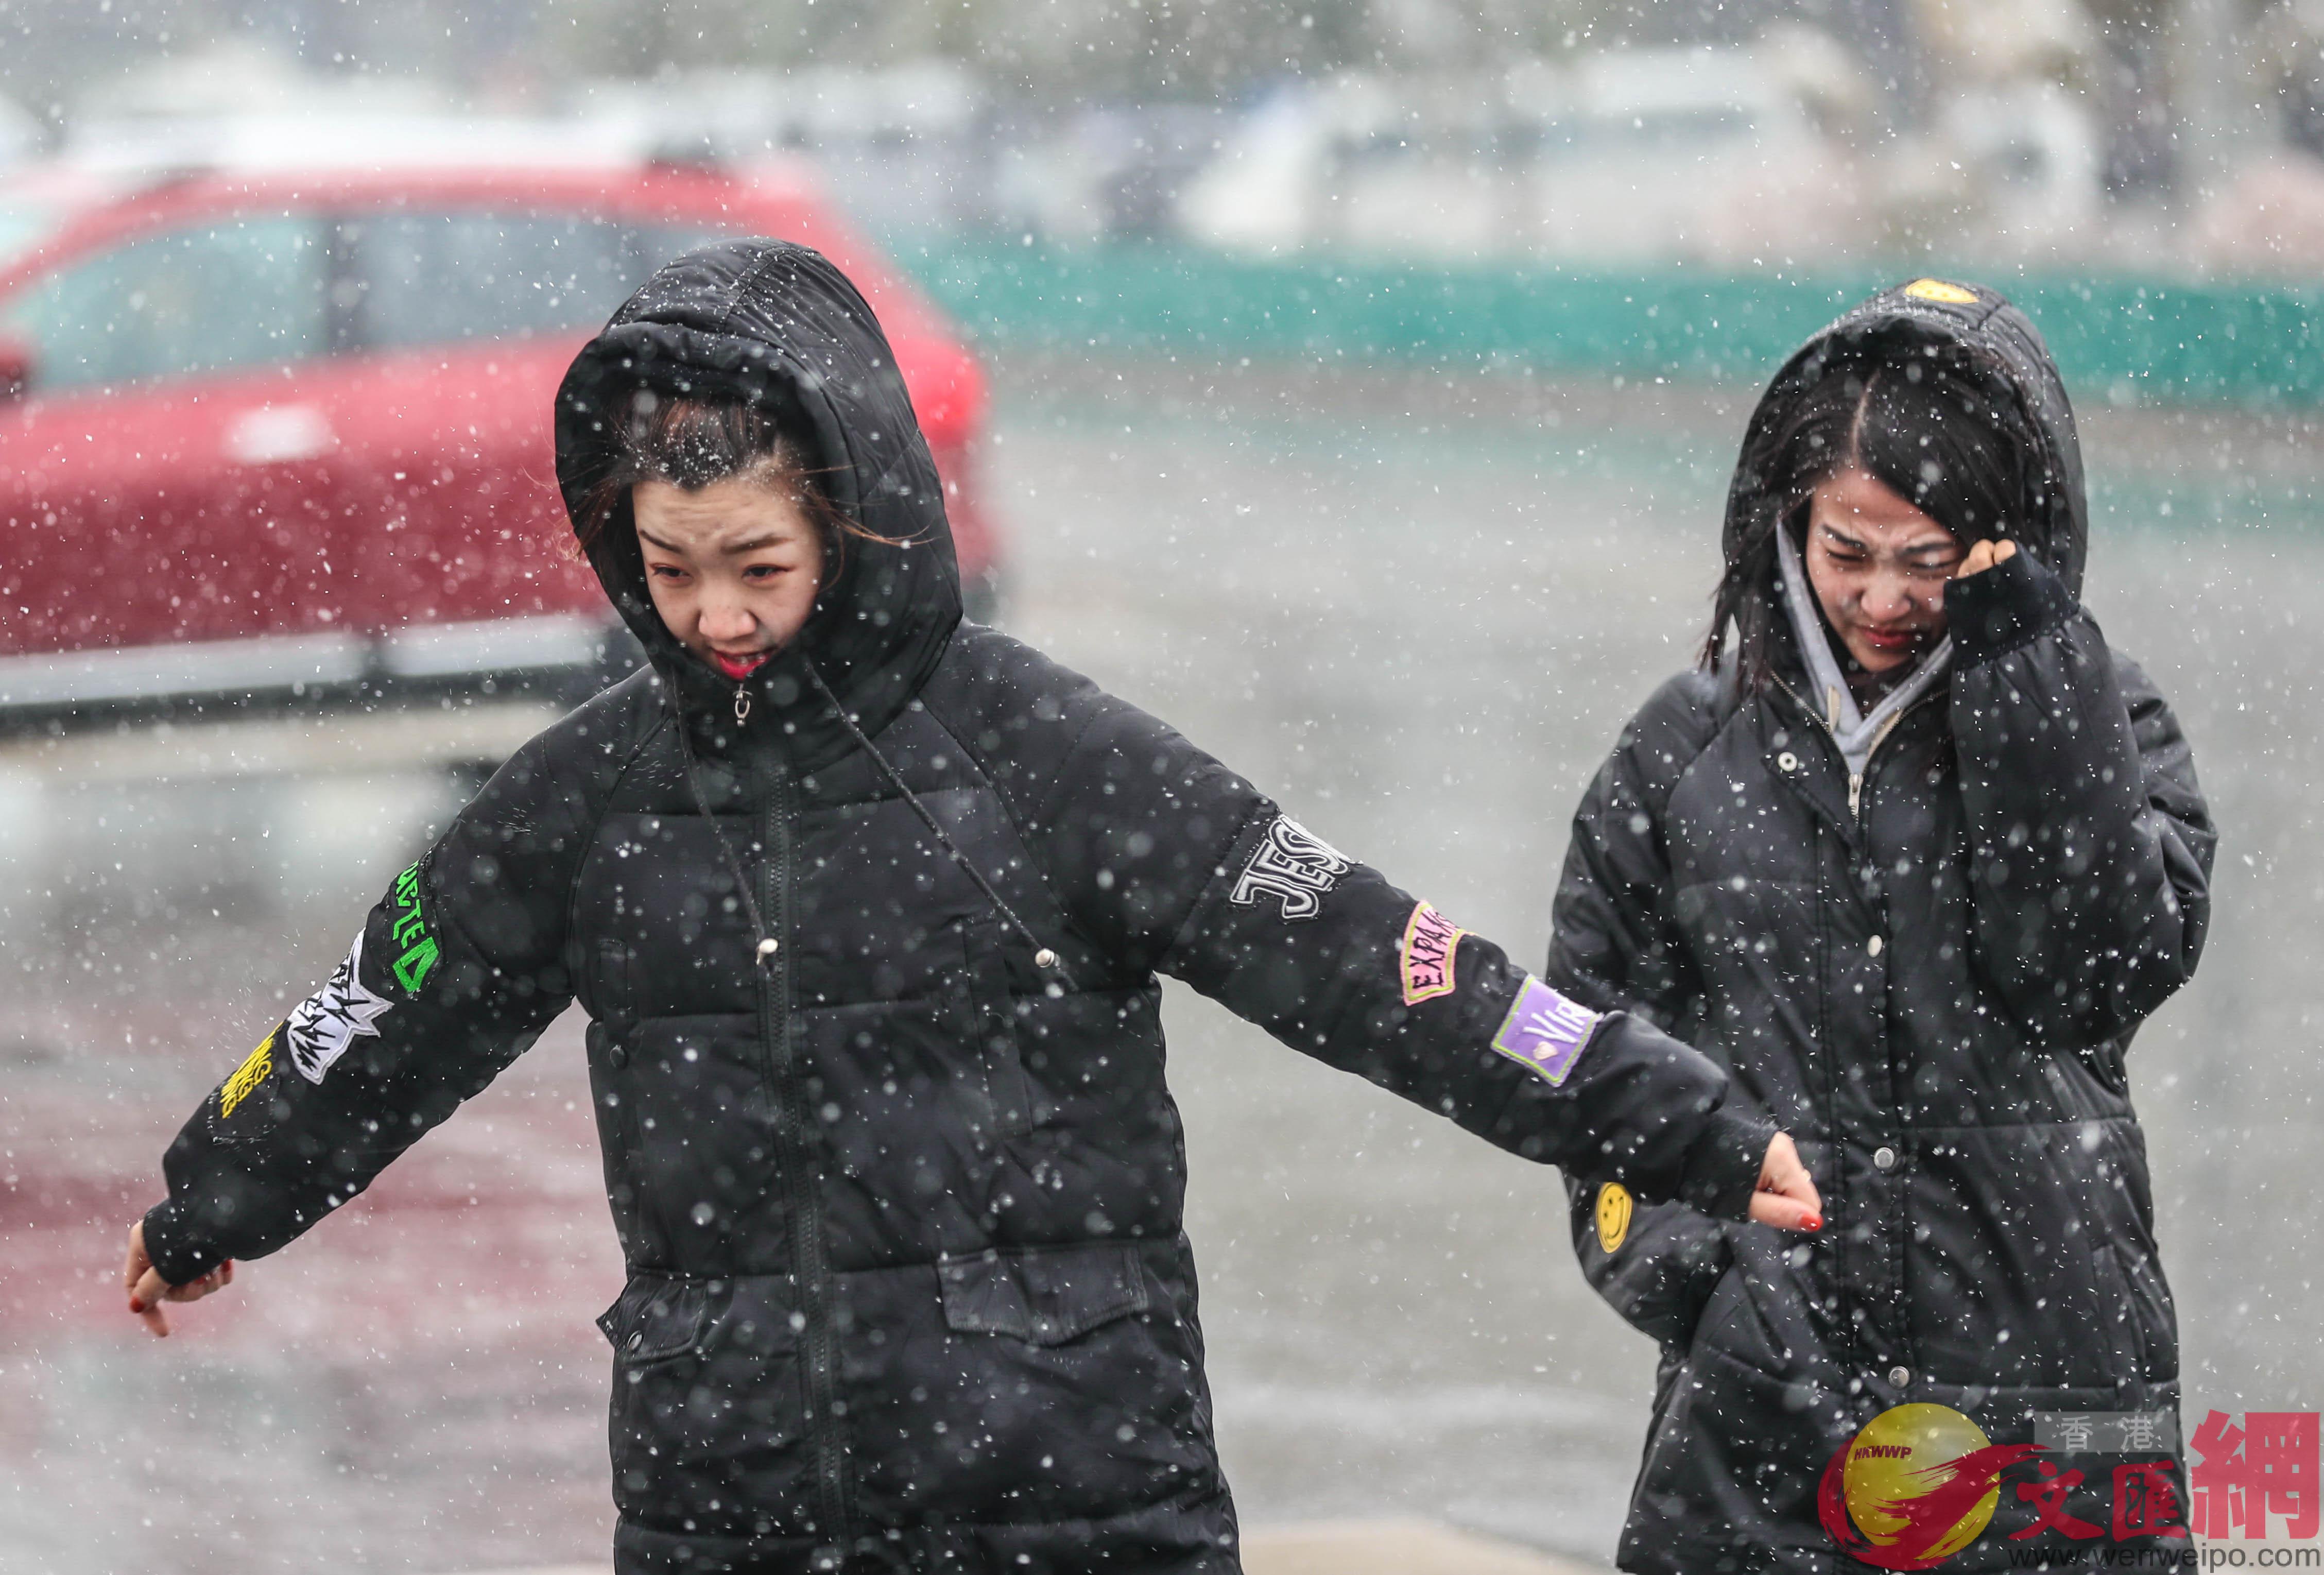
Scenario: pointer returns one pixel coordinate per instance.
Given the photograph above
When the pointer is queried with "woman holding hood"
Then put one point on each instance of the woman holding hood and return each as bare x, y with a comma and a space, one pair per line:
1912, 854
866, 906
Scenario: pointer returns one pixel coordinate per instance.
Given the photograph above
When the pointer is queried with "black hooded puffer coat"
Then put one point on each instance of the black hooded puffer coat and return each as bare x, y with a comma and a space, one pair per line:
1930, 978
900, 1199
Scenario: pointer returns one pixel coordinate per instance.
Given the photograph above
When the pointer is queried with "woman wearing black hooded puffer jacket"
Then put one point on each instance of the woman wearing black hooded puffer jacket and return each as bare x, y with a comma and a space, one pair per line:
1912, 855
867, 917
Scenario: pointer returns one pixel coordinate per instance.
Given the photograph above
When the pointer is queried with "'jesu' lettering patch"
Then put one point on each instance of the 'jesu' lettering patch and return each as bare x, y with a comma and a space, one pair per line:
1431, 947
1544, 1033
1293, 866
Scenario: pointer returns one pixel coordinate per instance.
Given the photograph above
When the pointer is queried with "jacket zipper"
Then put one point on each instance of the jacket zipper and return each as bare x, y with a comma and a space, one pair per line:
1856, 779
795, 1152
1855, 804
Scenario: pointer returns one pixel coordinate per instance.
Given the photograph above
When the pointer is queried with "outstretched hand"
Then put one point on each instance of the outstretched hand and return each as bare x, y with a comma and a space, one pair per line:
147, 1290
1984, 555
1787, 1196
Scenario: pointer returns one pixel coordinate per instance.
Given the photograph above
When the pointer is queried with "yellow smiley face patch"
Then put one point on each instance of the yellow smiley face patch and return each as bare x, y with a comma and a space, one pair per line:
1614, 1209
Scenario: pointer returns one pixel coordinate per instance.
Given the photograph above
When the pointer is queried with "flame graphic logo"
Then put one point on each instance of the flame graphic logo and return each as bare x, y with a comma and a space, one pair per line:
1913, 1488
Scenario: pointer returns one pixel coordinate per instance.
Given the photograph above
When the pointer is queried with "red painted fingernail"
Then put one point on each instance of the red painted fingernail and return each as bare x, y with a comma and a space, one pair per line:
1815, 1222
135, 1305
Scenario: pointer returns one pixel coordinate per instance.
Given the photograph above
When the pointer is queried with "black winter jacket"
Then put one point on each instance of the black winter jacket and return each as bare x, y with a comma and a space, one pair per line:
899, 1194
1931, 978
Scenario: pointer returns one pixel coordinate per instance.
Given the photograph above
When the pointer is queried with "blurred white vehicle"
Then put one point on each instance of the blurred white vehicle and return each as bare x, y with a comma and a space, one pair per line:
903, 147
1405, 166
1107, 171
1650, 150
1626, 155
2009, 173
2035, 156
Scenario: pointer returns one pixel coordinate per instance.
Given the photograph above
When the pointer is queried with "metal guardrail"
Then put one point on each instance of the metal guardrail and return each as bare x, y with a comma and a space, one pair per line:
389, 739
559, 657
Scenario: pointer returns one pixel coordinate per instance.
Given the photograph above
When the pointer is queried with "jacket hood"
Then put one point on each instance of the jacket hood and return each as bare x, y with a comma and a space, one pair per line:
775, 324
2001, 344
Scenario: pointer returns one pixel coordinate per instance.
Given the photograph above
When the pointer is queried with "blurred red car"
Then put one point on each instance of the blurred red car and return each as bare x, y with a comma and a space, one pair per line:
288, 433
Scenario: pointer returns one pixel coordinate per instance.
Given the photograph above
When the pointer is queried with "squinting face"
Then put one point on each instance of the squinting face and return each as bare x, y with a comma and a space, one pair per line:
734, 568
1878, 567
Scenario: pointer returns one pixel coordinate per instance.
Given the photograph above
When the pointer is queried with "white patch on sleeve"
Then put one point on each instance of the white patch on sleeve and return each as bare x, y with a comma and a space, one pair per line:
325, 1023
1295, 867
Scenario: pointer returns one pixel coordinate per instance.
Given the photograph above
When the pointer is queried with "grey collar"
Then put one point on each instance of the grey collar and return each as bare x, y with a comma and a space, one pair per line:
1857, 733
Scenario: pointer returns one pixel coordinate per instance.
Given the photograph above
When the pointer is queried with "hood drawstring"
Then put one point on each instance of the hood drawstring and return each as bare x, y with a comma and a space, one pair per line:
763, 953
1044, 958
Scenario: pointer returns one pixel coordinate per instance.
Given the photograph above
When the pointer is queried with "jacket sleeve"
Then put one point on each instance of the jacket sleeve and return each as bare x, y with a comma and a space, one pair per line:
2090, 845
1613, 947
455, 974
1167, 861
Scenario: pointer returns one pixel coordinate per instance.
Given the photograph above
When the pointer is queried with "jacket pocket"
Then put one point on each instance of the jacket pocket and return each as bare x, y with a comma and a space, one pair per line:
2138, 1323
706, 1395
1046, 1297
2121, 1351
654, 1319
1002, 1099
1734, 1323
1733, 1458
1662, 1270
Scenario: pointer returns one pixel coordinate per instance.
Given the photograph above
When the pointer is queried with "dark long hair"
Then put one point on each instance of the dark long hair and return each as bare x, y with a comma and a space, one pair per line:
693, 443
1934, 423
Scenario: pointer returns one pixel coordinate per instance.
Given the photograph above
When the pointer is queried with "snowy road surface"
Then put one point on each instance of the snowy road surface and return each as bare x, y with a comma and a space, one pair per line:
1417, 613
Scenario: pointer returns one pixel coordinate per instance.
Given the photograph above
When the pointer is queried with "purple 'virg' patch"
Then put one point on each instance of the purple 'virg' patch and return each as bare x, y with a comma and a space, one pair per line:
1544, 1033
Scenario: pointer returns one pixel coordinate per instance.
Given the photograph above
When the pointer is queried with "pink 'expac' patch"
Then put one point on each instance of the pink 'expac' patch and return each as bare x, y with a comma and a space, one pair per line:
1431, 947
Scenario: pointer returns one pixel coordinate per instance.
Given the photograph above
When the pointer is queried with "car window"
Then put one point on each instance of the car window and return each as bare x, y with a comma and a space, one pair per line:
442, 278
248, 292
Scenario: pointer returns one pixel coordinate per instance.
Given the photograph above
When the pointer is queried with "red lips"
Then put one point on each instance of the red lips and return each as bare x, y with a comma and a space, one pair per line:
739, 668
1889, 639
